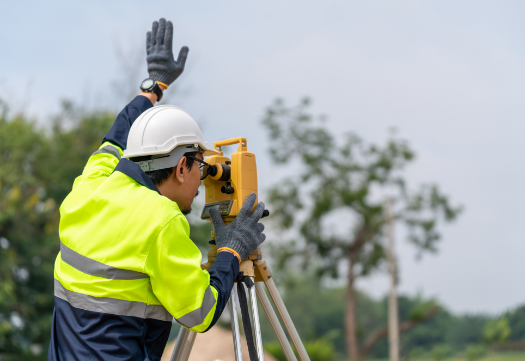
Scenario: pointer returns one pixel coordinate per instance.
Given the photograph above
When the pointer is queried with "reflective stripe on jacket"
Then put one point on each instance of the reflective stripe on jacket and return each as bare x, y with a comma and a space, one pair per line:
126, 265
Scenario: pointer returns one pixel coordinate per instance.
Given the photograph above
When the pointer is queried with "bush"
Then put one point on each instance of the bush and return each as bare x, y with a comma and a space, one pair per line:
417, 353
274, 349
318, 350
440, 352
475, 352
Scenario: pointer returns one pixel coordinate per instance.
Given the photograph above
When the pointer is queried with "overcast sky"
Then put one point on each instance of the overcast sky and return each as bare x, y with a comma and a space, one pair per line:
449, 75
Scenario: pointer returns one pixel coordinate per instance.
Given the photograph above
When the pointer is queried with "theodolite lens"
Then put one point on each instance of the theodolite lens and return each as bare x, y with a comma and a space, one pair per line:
212, 170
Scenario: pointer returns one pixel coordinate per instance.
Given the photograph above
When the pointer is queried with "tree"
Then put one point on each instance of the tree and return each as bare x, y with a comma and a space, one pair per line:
516, 319
37, 169
343, 173
36, 173
497, 330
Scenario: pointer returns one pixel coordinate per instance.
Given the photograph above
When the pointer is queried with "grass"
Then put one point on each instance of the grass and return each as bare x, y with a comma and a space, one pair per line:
503, 356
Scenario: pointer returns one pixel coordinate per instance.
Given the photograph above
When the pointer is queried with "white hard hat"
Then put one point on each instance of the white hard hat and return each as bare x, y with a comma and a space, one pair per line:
163, 130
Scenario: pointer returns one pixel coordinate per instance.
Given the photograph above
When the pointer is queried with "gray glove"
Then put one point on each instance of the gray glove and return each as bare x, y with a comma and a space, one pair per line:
244, 234
161, 64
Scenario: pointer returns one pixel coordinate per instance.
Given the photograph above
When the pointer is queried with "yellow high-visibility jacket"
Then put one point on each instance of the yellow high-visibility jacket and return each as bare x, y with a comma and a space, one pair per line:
126, 265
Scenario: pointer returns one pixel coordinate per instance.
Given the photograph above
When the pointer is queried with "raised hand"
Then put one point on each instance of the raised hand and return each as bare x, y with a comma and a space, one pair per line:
162, 66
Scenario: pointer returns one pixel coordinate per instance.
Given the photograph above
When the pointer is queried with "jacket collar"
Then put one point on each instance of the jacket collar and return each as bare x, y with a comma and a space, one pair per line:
133, 171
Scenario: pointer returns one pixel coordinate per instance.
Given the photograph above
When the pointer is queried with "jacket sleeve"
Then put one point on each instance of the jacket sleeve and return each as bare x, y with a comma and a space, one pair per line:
118, 134
194, 297
105, 159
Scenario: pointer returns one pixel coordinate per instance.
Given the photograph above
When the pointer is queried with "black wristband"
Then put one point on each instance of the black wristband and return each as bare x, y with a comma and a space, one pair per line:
157, 90
151, 86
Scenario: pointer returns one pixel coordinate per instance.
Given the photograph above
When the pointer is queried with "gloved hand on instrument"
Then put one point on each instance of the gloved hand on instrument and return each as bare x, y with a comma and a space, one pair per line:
244, 234
162, 66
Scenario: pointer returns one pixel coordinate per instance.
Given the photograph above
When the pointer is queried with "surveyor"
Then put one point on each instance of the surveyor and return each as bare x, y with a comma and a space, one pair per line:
127, 266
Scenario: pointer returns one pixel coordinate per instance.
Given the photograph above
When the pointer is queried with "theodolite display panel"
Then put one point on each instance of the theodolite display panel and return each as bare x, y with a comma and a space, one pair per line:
223, 207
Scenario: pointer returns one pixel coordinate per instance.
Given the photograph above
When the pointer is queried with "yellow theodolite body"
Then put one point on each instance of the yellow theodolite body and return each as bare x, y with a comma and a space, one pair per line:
233, 181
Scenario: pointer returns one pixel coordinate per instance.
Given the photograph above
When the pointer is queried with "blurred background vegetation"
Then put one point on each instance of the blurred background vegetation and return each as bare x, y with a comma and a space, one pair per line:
38, 165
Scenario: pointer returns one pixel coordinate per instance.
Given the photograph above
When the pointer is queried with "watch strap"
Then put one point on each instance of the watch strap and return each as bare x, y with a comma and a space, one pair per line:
161, 83
158, 91
155, 88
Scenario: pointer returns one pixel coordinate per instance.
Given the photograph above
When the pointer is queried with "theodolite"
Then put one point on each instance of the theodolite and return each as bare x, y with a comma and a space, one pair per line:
228, 181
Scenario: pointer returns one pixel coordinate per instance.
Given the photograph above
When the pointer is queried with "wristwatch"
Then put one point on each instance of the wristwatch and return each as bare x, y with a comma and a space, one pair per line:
150, 86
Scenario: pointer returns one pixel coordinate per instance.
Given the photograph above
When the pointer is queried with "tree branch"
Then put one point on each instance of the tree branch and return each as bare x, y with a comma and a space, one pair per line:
362, 236
405, 326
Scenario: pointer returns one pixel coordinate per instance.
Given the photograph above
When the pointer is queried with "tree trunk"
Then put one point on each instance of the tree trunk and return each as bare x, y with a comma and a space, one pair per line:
350, 313
383, 332
393, 320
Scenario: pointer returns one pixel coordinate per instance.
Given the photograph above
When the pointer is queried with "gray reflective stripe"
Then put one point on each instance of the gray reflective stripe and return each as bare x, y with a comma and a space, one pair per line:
108, 149
111, 305
197, 316
95, 268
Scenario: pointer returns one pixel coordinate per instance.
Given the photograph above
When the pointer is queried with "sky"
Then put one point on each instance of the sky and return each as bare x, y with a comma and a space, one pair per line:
448, 75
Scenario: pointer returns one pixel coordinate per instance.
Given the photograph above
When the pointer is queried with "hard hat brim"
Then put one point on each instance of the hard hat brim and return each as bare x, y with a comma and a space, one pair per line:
209, 152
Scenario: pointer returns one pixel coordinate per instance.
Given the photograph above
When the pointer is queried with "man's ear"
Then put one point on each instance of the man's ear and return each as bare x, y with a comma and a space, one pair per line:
181, 170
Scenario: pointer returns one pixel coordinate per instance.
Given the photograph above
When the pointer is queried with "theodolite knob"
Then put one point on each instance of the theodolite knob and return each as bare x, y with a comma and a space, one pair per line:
266, 213
227, 189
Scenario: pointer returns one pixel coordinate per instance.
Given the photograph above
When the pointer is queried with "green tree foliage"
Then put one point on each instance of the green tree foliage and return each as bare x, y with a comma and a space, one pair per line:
426, 335
317, 309
318, 350
474, 352
516, 320
36, 172
497, 330
465, 330
37, 168
342, 172
440, 352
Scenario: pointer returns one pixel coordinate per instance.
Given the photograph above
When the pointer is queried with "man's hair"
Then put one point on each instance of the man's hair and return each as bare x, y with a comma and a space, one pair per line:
159, 176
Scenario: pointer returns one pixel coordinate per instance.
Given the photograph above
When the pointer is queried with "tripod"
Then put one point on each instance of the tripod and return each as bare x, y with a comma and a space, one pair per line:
259, 272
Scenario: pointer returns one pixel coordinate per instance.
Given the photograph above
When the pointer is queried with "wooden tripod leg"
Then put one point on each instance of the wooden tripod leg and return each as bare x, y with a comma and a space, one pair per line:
274, 322
183, 346
288, 324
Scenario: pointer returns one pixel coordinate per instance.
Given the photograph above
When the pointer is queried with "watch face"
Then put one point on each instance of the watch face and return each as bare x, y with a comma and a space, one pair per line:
147, 84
